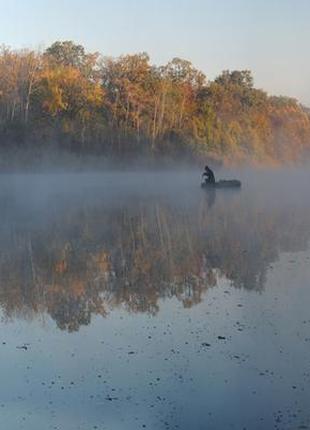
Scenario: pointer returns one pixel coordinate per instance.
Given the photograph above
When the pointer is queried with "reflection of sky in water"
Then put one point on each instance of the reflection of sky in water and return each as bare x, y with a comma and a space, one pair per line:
168, 369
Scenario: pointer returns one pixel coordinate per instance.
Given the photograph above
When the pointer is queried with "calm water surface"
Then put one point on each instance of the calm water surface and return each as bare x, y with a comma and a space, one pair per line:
139, 300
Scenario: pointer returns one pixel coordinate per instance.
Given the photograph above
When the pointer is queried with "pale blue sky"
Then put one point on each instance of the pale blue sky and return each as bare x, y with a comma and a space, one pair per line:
270, 37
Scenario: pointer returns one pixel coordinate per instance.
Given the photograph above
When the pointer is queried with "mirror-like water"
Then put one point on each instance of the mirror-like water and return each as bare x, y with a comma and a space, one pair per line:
142, 301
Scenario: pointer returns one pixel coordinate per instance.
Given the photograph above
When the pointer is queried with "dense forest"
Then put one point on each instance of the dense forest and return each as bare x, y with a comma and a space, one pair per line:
83, 103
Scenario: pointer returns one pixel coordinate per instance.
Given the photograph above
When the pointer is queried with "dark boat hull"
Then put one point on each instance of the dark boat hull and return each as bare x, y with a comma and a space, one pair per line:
232, 183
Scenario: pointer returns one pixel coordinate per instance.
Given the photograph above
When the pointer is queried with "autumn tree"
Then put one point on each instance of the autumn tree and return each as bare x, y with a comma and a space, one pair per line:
70, 99
69, 54
128, 105
19, 75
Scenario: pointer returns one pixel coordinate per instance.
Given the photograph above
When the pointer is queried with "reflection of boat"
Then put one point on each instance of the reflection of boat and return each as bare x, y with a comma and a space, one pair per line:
223, 183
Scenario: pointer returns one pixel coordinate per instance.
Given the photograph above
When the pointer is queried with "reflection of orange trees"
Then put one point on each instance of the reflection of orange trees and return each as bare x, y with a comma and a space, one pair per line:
242, 242
155, 259
73, 303
52, 279
133, 258
74, 294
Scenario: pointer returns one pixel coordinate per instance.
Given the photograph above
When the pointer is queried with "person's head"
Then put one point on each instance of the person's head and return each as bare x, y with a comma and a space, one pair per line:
206, 167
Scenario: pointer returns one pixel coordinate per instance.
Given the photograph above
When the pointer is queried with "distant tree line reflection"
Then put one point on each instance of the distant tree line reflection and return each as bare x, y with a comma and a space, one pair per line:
89, 260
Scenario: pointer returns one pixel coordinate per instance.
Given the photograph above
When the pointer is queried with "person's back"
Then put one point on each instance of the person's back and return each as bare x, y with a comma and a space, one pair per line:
209, 175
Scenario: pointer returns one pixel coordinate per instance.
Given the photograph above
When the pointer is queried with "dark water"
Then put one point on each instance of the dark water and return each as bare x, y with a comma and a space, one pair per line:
135, 301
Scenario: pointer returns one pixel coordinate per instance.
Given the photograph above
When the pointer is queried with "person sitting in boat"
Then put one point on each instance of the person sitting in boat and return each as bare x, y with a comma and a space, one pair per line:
208, 175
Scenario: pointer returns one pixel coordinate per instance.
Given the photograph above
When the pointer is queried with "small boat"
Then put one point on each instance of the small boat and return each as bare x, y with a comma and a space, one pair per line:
223, 183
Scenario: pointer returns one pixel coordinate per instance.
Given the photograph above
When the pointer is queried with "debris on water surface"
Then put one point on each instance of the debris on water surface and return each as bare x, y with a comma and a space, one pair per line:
111, 398
25, 347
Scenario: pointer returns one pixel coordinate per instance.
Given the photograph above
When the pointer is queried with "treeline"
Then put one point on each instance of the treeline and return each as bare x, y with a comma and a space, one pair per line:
66, 98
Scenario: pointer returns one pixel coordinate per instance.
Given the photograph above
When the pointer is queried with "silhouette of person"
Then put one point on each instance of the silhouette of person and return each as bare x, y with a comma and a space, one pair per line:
208, 175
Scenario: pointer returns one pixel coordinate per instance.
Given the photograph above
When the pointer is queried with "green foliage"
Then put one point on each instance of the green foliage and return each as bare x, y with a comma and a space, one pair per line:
126, 105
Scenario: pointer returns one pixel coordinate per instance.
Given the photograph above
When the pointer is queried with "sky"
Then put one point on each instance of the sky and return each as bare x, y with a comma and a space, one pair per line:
269, 37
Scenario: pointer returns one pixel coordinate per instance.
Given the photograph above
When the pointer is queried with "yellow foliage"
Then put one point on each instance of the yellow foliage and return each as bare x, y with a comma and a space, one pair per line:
67, 90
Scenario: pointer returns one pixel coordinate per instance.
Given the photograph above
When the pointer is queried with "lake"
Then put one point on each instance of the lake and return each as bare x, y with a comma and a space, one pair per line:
139, 300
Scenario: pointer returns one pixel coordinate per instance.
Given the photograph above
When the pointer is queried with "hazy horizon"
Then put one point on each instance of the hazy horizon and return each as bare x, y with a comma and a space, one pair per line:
269, 38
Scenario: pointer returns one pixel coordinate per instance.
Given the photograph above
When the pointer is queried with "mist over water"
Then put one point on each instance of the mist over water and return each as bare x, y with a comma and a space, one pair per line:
140, 292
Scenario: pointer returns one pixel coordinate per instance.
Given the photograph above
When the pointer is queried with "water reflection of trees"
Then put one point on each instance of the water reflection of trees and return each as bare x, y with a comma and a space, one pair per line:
88, 260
